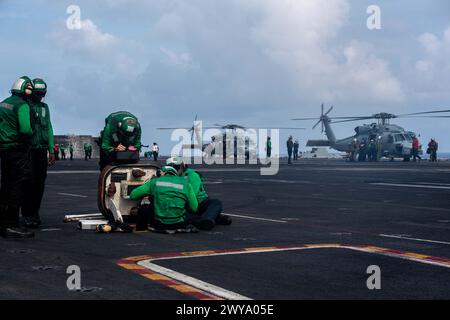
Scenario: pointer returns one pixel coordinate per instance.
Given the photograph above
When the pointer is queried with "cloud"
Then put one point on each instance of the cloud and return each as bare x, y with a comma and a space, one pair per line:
255, 61
432, 71
89, 40
256, 56
299, 36
183, 60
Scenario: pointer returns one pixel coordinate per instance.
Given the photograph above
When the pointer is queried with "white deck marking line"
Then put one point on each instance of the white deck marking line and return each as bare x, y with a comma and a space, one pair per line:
226, 294
410, 185
51, 229
255, 218
205, 286
72, 195
413, 239
278, 181
229, 170
72, 171
435, 183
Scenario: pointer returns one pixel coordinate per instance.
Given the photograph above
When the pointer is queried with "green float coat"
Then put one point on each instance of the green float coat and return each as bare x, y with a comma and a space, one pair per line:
112, 135
14, 122
171, 195
42, 127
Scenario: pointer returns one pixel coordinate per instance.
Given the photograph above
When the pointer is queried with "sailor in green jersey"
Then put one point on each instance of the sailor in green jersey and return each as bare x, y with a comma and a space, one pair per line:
63, 152
87, 151
71, 151
15, 134
171, 196
209, 212
42, 148
122, 132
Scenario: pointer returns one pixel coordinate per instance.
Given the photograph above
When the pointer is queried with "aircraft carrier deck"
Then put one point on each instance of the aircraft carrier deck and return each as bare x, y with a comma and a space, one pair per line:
309, 232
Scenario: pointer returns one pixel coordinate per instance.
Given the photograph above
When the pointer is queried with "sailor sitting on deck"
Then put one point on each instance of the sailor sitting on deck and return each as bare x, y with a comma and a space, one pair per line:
171, 196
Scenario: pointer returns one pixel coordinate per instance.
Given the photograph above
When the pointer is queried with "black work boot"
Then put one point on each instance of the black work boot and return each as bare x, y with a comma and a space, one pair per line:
16, 233
205, 224
224, 220
32, 223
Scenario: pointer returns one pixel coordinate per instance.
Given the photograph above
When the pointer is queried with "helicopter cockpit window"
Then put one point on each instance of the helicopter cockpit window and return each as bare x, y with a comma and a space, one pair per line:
408, 137
390, 139
399, 137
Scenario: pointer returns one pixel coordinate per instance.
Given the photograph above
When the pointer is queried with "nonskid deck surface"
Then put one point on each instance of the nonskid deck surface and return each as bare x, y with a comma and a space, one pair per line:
311, 231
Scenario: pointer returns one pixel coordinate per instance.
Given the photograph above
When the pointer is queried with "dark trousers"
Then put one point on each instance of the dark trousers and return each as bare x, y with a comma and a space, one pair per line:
16, 173
35, 188
105, 159
210, 209
433, 156
155, 156
269, 153
289, 156
71, 155
146, 215
415, 154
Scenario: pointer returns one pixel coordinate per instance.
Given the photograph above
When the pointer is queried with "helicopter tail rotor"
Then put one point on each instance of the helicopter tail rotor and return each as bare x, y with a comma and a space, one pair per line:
323, 117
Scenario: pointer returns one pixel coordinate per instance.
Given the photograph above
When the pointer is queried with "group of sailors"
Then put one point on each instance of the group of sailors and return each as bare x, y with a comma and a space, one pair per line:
27, 148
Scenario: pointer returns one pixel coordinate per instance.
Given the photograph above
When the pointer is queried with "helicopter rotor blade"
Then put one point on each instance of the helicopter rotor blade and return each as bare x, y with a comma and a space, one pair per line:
173, 128
329, 110
301, 119
427, 117
425, 112
285, 128
317, 124
350, 120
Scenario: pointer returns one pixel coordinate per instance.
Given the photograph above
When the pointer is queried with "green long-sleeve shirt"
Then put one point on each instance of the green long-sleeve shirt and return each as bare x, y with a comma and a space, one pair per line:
15, 125
24, 120
196, 181
171, 195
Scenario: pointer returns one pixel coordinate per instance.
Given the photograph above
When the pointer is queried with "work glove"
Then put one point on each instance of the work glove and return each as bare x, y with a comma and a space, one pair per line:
51, 159
121, 148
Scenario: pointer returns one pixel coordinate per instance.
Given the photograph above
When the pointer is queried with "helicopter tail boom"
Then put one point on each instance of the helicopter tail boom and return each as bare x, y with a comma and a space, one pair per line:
318, 143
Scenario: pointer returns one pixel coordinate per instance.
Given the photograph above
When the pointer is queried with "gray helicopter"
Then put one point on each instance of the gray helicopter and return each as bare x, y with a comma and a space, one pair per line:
392, 140
236, 139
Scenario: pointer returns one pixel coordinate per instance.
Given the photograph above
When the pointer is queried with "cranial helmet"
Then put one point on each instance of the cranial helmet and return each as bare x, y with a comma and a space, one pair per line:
128, 126
169, 170
40, 87
174, 161
21, 84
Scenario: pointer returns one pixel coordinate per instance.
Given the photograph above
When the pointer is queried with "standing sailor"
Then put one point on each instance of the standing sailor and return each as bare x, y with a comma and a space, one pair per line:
15, 134
41, 154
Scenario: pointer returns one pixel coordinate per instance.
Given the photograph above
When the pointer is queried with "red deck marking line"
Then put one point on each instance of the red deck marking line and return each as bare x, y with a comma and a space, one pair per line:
132, 263
393, 251
437, 259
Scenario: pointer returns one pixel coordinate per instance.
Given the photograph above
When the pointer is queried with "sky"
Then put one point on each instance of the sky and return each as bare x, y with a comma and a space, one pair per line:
258, 63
